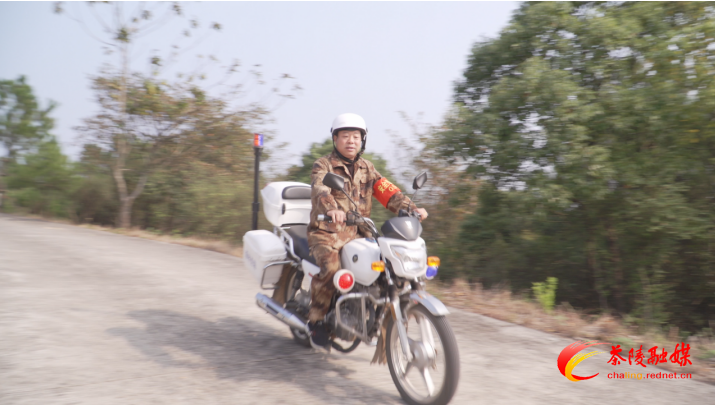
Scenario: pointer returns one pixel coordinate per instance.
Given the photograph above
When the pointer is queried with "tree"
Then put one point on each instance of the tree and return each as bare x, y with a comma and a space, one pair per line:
448, 195
94, 197
111, 126
43, 181
152, 121
160, 125
208, 195
23, 123
592, 125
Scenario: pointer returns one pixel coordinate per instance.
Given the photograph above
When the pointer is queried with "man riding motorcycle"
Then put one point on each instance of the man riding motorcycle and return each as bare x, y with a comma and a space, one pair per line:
325, 240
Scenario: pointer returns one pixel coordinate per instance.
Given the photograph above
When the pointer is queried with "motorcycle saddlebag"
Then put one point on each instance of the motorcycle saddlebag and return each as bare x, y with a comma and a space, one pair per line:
261, 249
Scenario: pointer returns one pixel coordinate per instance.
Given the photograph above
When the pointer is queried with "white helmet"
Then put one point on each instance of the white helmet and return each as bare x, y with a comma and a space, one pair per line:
349, 120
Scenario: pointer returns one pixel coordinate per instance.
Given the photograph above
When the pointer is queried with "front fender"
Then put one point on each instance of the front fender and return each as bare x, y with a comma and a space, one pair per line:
429, 301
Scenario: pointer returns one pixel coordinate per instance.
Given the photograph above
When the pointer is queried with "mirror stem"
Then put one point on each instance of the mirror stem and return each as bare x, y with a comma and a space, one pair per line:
409, 207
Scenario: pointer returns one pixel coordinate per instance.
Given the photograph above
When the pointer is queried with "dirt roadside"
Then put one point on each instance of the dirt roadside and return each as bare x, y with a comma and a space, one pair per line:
570, 323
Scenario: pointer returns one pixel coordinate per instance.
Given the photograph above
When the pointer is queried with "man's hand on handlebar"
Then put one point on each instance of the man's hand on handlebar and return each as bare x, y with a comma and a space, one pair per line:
337, 216
422, 214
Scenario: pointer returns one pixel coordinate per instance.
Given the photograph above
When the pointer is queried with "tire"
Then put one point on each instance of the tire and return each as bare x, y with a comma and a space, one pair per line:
292, 287
450, 355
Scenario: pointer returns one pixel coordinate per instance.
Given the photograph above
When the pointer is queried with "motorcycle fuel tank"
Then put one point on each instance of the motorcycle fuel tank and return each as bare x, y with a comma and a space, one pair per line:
357, 256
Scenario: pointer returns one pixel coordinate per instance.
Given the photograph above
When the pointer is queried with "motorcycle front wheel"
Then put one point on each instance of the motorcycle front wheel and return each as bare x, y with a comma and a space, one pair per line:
432, 376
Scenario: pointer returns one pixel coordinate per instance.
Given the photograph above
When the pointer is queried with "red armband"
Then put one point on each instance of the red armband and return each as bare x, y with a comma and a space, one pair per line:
384, 190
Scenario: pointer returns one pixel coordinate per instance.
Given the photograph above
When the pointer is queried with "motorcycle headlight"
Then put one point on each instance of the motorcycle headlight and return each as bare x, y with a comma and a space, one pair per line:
413, 260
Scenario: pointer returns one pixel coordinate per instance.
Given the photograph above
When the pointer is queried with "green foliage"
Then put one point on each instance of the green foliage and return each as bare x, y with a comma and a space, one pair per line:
199, 199
707, 355
591, 128
208, 195
626, 343
23, 123
47, 183
206, 192
165, 126
95, 194
43, 183
545, 293
46, 170
150, 124
302, 173
94, 199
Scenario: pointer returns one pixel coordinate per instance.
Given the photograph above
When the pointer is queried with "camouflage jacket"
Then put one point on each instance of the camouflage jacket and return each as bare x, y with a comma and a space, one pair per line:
366, 183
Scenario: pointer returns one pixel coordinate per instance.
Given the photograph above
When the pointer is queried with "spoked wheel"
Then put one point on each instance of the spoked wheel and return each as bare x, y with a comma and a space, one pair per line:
432, 376
293, 287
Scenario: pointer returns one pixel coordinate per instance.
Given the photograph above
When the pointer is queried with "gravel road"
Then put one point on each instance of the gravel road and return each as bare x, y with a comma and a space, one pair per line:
90, 317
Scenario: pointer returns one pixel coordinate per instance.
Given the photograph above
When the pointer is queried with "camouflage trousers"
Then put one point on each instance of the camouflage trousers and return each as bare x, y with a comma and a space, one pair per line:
322, 288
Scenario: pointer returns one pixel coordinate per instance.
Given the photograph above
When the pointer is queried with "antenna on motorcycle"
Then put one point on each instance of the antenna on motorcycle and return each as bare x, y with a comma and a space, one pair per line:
417, 184
336, 182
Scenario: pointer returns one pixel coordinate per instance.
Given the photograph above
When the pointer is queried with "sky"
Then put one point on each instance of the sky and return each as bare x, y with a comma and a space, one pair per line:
376, 59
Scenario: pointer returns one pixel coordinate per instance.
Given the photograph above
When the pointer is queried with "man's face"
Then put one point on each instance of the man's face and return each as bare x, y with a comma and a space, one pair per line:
348, 143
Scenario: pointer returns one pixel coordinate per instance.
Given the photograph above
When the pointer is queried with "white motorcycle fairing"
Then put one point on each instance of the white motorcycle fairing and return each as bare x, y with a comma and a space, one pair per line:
357, 256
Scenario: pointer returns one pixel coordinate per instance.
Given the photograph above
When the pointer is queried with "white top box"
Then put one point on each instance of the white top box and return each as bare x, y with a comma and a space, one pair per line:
286, 202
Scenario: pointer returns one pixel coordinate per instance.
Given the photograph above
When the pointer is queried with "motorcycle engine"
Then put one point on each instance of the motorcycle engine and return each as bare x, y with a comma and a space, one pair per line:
351, 316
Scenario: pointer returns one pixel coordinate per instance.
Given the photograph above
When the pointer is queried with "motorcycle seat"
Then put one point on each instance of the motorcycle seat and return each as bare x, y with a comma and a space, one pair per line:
299, 234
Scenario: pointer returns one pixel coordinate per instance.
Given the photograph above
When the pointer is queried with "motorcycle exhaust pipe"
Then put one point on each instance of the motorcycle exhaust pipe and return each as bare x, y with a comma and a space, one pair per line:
279, 312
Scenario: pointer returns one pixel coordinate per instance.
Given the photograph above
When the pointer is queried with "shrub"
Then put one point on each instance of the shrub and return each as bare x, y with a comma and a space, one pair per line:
545, 293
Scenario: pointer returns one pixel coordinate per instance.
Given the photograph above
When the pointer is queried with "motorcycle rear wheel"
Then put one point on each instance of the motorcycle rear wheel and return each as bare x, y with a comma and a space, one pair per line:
414, 380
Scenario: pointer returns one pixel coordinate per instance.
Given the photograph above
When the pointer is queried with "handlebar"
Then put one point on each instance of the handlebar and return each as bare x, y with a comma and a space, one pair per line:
349, 221
405, 213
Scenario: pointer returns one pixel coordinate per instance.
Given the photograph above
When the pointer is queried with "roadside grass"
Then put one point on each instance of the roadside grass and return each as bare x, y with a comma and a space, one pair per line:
215, 245
500, 303
568, 322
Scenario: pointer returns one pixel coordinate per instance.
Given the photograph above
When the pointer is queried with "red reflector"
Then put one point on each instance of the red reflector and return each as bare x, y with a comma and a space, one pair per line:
345, 281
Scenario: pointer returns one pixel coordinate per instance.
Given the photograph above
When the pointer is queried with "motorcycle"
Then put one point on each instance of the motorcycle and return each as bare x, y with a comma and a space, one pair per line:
380, 297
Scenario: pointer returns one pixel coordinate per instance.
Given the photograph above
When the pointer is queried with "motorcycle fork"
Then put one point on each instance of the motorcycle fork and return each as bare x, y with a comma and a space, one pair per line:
399, 320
